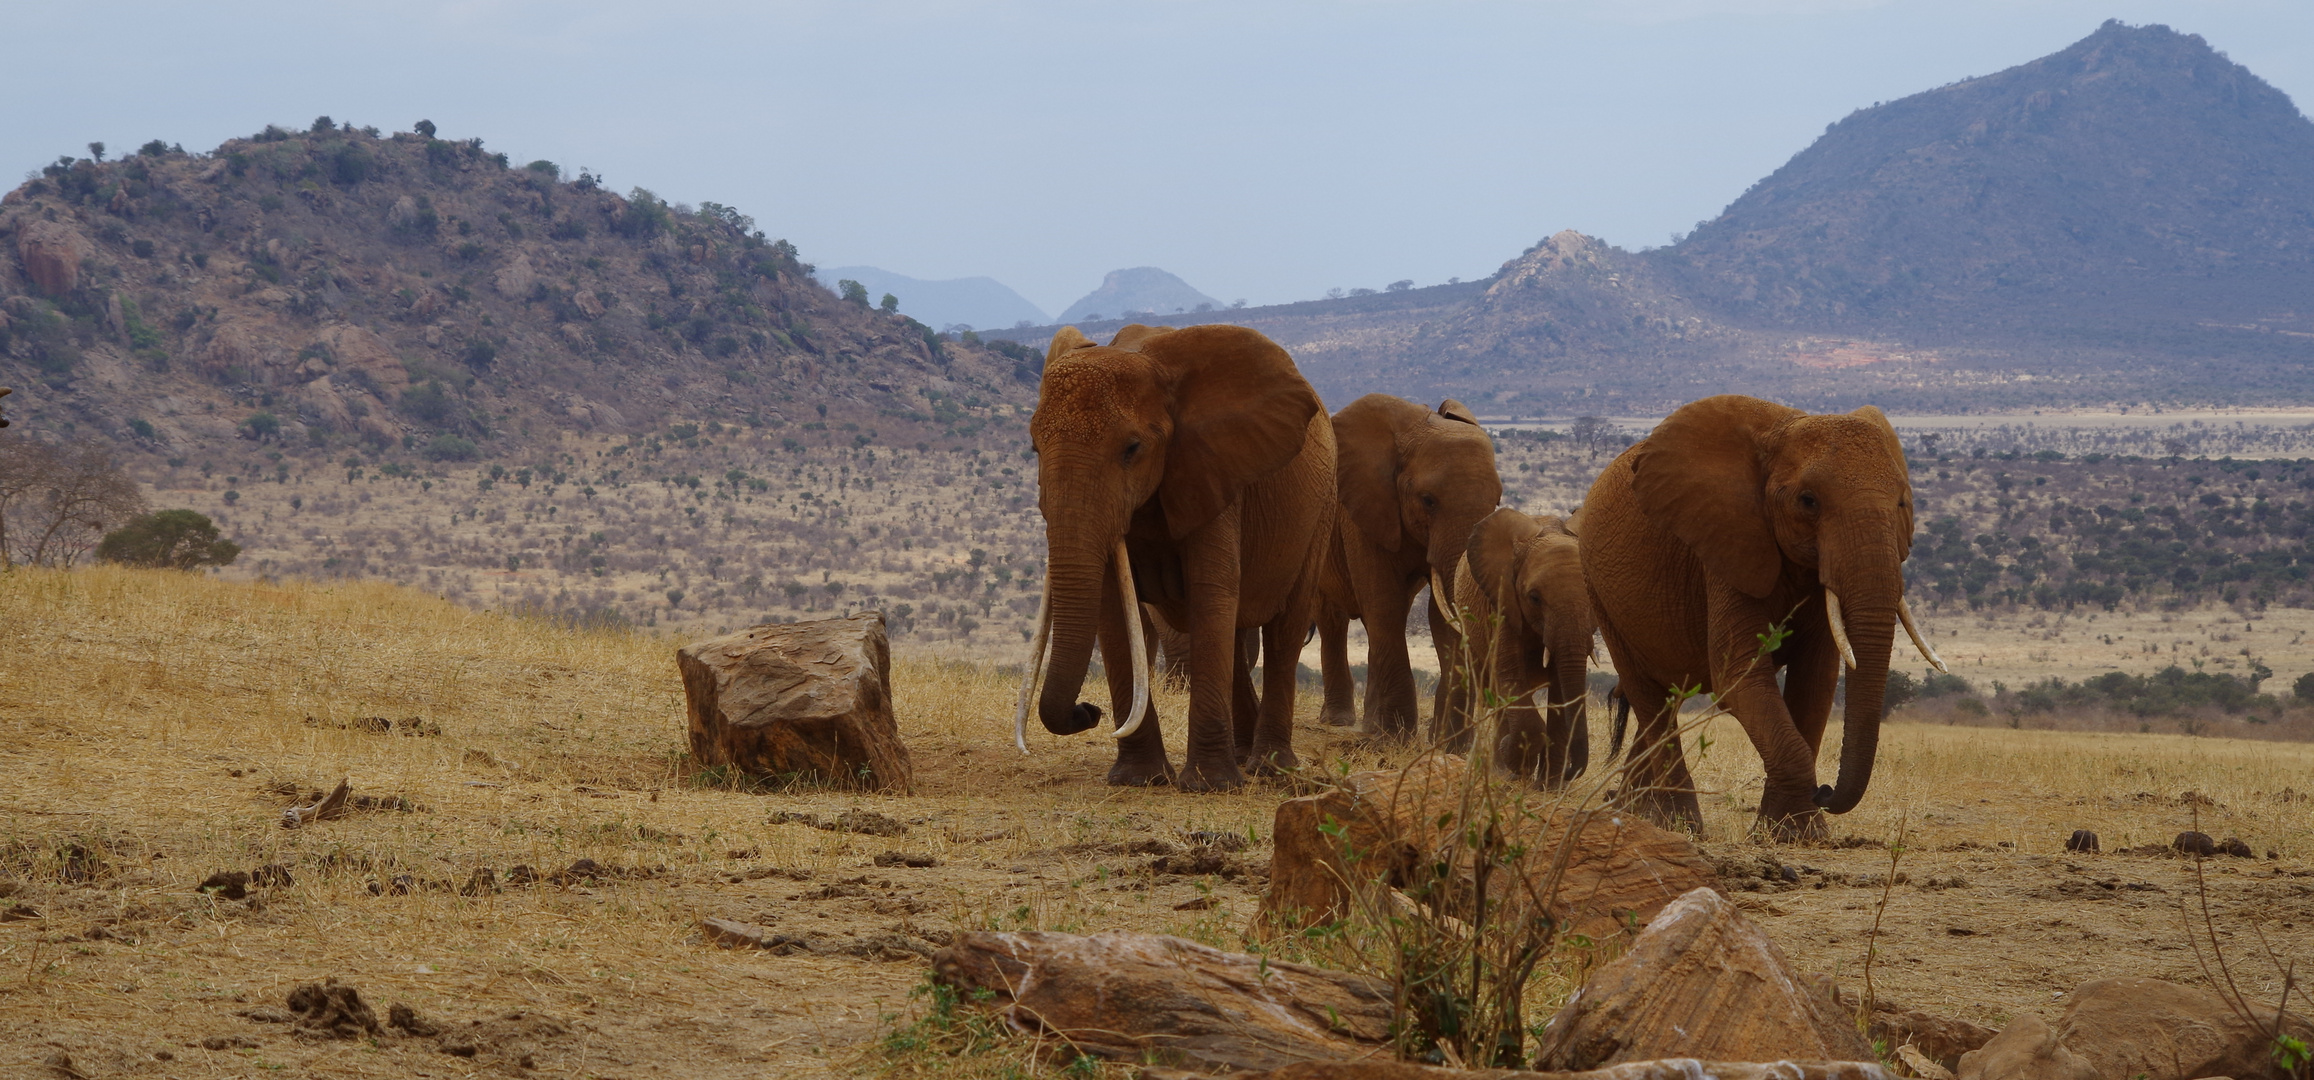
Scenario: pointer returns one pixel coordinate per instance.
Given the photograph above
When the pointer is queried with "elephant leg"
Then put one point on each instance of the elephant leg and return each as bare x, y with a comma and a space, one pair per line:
1451, 703
1282, 639
1341, 703
1811, 676
1788, 808
1656, 780
1244, 704
1210, 575
1141, 757
1520, 749
1390, 708
1558, 725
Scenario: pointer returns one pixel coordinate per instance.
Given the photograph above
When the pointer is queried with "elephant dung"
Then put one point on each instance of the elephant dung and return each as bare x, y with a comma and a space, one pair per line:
1668, 1069
1152, 999
1619, 872
798, 699
1703, 982
2136, 1027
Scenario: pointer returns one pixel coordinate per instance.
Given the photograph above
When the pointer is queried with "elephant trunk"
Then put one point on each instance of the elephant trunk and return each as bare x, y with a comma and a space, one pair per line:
1863, 619
1073, 588
1571, 692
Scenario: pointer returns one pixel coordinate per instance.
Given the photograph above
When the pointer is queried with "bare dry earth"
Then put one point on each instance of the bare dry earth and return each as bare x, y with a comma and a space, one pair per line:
145, 719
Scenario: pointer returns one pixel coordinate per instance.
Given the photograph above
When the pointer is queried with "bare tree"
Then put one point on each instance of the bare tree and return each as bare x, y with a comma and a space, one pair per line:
57, 501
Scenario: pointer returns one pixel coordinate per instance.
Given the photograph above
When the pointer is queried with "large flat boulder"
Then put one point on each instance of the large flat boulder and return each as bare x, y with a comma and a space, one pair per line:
1378, 829
1700, 982
2139, 1028
1147, 998
809, 699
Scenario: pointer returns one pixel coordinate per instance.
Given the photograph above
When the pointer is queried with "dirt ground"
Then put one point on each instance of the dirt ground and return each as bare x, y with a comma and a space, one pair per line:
153, 727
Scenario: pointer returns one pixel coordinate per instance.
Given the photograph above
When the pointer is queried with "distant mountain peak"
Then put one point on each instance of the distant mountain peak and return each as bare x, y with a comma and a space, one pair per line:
1139, 290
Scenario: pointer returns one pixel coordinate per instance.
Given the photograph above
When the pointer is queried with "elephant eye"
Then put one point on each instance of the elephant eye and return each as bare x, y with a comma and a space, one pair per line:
1430, 502
1534, 596
1132, 449
1807, 501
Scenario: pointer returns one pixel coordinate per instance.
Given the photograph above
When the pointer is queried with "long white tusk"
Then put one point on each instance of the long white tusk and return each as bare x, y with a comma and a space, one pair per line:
1445, 600
1839, 628
1039, 651
1904, 612
1133, 637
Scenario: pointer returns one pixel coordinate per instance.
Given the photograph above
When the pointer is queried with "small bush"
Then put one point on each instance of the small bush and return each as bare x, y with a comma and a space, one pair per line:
450, 448
170, 539
262, 426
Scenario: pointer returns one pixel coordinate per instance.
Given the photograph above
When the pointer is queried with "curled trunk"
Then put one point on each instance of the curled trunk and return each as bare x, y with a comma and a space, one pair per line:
1870, 618
1075, 578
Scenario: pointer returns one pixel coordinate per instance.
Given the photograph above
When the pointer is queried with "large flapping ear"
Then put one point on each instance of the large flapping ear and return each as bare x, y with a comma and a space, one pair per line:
1065, 340
1369, 437
1131, 337
1701, 474
1493, 552
1241, 411
1455, 410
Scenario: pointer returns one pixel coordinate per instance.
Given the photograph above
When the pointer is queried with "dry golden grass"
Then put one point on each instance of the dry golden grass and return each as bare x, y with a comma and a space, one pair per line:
130, 700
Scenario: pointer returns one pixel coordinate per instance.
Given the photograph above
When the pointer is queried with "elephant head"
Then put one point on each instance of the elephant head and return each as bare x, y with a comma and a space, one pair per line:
1172, 422
1530, 571
1778, 503
1411, 477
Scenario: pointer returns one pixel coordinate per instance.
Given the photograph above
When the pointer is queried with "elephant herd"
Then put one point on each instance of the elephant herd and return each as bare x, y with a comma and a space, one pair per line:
1195, 492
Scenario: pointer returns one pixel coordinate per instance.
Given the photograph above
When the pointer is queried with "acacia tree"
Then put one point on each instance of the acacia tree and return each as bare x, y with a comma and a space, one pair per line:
170, 539
57, 500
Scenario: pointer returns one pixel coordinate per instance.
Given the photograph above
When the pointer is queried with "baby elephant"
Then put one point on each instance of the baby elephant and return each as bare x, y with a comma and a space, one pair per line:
1527, 573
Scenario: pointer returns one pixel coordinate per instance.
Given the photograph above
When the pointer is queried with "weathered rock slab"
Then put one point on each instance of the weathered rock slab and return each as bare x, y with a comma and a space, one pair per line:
1164, 1000
2138, 1028
1619, 871
1700, 982
802, 699
52, 253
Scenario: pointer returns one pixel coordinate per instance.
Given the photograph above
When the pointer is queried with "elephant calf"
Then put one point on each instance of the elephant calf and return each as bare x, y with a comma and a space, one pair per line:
1526, 619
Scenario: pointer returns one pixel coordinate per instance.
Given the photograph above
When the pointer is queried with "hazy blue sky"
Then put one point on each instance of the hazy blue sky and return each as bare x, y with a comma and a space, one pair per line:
1265, 150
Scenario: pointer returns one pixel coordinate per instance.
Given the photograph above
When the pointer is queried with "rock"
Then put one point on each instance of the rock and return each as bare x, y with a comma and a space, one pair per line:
2194, 843
1921, 1065
52, 252
588, 303
1701, 981
232, 353
1621, 871
806, 698
1667, 1069
2081, 840
2234, 846
734, 934
2141, 1028
226, 885
515, 280
367, 359
1942, 1039
1166, 1001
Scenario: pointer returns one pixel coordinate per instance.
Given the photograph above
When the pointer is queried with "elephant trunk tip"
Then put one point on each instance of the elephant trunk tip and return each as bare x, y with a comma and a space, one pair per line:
1082, 716
1834, 802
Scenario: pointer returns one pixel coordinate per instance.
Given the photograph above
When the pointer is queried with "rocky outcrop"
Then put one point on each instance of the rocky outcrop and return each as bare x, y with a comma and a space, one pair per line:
2142, 1028
1377, 828
515, 280
366, 358
800, 699
52, 253
1702, 982
1163, 1000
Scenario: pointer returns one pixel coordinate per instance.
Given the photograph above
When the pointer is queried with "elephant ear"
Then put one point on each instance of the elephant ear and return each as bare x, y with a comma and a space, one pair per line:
1131, 337
1493, 552
1066, 340
1240, 412
1455, 410
1367, 439
1879, 421
1701, 474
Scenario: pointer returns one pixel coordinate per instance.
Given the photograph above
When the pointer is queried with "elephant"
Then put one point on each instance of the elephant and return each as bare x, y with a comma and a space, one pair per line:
4, 392
1739, 539
1190, 469
1412, 482
1526, 615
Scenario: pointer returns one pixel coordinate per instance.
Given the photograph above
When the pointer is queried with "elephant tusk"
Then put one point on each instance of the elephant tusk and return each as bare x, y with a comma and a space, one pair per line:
1039, 652
1839, 628
1904, 612
1444, 598
1140, 648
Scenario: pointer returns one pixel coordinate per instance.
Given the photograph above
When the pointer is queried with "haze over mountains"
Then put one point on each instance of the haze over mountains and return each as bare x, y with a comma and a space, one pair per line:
972, 301
2130, 219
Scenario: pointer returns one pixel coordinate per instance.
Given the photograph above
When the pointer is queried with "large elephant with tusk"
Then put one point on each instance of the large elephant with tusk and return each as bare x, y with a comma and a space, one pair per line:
1190, 470
1741, 539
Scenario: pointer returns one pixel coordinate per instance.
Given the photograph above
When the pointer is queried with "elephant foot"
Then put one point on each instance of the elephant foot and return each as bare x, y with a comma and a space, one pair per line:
1141, 771
1271, 760
1211, 776
1790, 819
1338, 717
1677, 811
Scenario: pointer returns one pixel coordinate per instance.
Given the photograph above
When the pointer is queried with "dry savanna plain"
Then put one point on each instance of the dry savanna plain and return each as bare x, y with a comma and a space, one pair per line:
486, 655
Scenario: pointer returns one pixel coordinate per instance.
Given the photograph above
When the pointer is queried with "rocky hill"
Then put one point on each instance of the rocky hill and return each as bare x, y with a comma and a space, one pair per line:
407, 294
1138, 291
